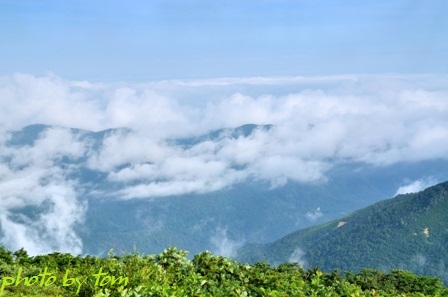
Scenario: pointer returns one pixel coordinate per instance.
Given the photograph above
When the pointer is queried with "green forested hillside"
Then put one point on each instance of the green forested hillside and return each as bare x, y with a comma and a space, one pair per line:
171, 273
409, 231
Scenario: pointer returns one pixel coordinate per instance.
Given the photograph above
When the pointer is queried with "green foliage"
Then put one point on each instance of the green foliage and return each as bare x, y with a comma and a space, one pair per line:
171, 273
5, 256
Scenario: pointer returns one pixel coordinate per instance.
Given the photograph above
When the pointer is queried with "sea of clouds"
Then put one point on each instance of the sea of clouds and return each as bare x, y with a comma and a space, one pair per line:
317, 122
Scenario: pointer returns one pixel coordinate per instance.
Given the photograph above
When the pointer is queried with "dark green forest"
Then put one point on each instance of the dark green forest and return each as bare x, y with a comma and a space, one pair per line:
172, 273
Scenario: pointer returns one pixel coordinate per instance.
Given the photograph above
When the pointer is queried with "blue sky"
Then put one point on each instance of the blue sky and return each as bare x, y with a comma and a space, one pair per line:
153, 40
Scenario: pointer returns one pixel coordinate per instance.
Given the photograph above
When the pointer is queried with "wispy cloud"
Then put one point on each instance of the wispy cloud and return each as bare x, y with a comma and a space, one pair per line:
416, 186
223, 245
313, 216
298, 256
39, 204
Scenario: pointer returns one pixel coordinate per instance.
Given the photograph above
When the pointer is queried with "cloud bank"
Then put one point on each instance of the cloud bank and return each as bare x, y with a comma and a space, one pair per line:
318, 122
39, 204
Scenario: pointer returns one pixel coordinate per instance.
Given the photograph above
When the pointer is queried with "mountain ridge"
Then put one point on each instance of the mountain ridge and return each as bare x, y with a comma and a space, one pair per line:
409, 231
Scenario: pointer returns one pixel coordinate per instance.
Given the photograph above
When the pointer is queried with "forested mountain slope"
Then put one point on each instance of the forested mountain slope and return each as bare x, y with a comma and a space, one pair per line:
409, 232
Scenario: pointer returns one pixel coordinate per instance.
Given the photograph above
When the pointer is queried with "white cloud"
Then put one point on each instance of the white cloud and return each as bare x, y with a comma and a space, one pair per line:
378, 120
145, 110
170, 107
318, 122
59, 212
175, 187
29, 100
121, 147
32, 182
416, 186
